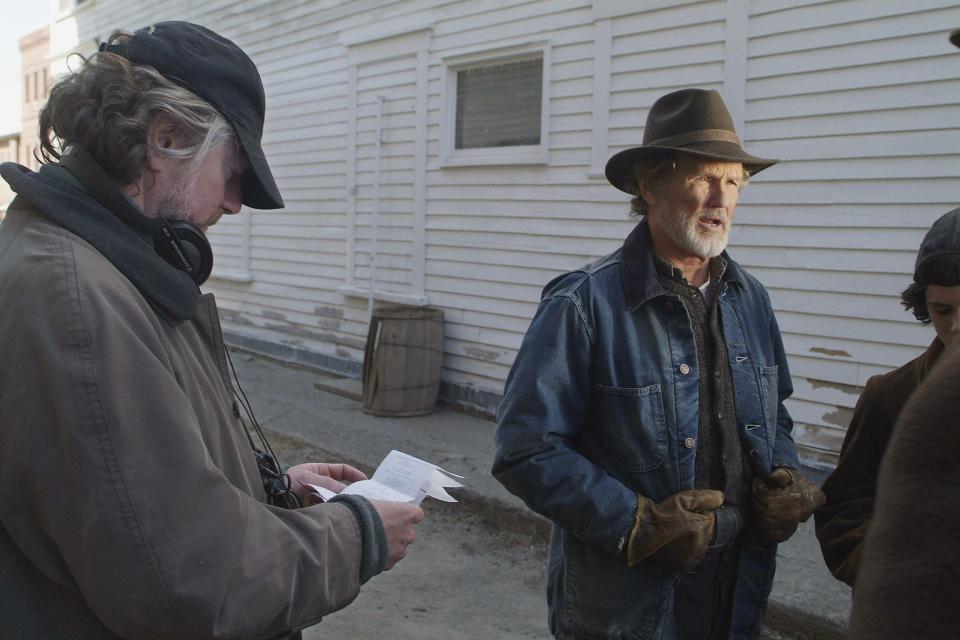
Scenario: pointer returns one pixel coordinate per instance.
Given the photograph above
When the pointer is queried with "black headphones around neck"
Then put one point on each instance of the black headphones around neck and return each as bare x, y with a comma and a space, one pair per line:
178, 242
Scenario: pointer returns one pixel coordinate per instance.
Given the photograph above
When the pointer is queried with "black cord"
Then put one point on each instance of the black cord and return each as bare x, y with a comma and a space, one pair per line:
276, 483
248, 409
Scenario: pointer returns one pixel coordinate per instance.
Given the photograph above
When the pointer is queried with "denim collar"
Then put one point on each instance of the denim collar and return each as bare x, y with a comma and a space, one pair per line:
639, 272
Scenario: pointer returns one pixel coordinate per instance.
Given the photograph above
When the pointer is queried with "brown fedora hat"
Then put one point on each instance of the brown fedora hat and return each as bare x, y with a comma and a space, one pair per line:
693, 121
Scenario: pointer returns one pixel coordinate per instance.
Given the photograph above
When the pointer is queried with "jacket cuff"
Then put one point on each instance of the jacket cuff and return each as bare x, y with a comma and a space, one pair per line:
786, 464
373, 539
729, 523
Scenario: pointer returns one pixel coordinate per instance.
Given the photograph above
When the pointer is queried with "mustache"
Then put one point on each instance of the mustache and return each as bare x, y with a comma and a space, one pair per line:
717, 214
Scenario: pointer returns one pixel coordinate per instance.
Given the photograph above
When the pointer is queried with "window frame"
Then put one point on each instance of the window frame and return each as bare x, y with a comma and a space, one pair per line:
450, 156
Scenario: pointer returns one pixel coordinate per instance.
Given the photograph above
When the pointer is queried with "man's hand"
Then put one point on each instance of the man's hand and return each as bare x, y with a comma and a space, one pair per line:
398, 519
783, 500
675, 532
329, 476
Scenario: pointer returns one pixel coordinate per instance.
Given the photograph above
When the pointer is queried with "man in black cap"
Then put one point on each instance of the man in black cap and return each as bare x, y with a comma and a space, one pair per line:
934, 298
133, 502
644, 412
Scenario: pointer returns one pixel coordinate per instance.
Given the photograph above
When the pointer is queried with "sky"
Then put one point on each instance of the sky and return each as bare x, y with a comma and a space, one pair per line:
20, 17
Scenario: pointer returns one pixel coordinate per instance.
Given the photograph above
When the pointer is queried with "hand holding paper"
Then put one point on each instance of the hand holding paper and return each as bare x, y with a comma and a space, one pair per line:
401, 478
399, 520
303, 477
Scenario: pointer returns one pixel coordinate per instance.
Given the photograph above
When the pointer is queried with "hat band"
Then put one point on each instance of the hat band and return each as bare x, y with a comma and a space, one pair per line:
702, 135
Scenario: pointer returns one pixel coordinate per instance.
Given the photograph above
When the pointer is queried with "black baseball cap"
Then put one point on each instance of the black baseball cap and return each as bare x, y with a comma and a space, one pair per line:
217, 70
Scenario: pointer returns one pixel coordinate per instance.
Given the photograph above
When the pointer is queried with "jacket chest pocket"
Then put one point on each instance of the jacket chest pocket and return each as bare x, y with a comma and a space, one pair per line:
632, 426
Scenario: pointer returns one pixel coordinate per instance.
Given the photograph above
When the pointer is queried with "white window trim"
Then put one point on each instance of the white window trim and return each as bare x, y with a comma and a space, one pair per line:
514, 155
244, 274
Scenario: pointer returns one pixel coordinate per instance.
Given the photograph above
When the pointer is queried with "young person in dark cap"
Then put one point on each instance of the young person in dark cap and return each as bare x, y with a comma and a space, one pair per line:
934, 297
644, 412
131, 502
907, 582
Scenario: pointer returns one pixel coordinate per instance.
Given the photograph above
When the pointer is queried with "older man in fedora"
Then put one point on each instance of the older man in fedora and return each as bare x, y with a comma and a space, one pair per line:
644, 412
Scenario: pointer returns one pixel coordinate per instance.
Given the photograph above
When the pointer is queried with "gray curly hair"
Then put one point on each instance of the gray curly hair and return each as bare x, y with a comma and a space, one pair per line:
107, 106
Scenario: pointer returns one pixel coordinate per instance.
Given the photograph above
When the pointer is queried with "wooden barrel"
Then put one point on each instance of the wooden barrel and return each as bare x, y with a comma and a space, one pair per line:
402, 361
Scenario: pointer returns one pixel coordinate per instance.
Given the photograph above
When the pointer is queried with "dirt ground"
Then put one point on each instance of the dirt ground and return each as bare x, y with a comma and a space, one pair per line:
465, 578
461, 579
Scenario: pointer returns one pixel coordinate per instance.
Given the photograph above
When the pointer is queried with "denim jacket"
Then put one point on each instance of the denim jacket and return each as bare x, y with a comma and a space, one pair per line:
600, 405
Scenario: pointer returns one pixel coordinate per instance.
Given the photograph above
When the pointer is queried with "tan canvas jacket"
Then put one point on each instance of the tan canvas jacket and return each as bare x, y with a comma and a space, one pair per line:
130, 502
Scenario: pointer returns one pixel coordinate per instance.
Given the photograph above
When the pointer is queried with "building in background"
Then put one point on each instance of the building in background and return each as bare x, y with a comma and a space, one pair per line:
35, 67
452, 153
9, 152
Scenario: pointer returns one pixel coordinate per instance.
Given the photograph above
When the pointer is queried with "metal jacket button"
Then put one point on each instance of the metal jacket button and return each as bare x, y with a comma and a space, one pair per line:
689, 443
684, 368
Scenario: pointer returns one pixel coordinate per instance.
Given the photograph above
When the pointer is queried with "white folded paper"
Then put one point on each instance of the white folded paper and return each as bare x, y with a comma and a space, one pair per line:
401, 478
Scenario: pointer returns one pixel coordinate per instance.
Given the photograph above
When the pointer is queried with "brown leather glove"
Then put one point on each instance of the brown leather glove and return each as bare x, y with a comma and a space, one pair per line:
675, 532
783, 500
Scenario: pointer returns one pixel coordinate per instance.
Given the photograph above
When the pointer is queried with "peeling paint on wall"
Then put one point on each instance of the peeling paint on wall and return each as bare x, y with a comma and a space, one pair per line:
830, 352
328, 312
483, 354
849, 389
235, 316
840, 417
330, 324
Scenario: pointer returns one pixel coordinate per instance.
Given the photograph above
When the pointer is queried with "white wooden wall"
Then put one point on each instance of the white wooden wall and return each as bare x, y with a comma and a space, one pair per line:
860, 98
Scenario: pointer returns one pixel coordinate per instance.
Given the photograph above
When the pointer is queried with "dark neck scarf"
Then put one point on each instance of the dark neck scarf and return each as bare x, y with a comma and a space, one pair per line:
55, 194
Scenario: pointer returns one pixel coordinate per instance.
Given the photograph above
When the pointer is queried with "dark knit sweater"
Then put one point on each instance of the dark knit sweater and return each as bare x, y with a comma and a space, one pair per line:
719, 459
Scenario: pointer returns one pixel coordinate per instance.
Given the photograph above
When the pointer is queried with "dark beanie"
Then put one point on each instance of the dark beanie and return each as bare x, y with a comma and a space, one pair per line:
938, 261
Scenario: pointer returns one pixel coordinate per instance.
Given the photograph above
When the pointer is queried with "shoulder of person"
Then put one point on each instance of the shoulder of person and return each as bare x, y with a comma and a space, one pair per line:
575, 284
50, 270
894, 386
737, 273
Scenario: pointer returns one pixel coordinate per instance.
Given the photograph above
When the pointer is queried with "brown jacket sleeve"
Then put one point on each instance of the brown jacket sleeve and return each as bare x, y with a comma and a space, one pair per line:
117, 482
841, 524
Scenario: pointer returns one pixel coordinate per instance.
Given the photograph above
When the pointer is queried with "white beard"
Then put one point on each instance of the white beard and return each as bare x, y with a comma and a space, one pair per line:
686, 234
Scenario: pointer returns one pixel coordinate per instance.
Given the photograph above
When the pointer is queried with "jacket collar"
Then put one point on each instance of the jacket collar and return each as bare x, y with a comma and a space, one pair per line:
639, 272
53, 193
929, 358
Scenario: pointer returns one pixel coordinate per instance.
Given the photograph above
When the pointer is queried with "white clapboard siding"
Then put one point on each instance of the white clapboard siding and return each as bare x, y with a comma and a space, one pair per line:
860, 101
859, 98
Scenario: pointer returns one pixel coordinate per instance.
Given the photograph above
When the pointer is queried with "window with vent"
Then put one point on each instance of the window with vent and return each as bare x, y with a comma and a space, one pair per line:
499, 105
498, 108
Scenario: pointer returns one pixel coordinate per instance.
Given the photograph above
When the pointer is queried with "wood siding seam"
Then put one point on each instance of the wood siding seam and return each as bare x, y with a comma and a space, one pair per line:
600, 119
